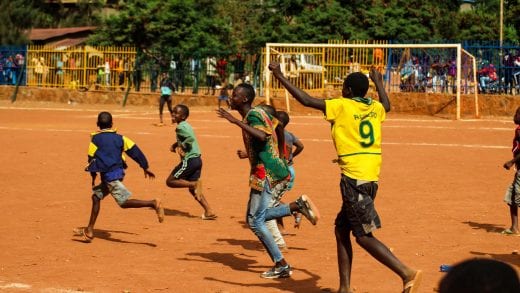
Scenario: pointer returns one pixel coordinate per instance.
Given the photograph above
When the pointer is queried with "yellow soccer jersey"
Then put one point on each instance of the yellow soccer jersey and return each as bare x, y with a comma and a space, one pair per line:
356, 132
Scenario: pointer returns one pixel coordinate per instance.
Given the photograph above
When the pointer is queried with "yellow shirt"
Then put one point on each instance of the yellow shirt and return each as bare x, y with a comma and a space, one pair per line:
356, 132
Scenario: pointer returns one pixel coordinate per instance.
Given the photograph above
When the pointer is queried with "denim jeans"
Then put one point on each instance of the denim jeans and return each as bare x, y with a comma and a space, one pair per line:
258, 212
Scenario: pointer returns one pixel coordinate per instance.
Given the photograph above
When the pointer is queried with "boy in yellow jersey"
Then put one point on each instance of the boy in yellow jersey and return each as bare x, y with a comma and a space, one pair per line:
356, 132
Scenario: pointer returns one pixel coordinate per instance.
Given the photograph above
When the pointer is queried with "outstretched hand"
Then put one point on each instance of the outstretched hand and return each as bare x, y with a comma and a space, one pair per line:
375, 75
508, 165
242, 154
275, 68
226, 115
149, 174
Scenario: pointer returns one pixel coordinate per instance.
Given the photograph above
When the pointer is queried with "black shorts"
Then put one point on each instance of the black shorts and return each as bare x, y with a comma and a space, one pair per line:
358, 213
189, 169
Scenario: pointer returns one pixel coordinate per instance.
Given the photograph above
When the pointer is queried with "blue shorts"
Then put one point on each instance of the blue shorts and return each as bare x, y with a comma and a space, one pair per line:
116, 188
358, 213
188, 169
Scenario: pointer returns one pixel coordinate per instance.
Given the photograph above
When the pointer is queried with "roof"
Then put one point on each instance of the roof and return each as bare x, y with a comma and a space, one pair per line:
42, 34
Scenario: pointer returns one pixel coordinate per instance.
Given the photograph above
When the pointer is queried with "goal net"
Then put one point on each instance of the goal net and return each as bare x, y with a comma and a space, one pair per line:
434, 79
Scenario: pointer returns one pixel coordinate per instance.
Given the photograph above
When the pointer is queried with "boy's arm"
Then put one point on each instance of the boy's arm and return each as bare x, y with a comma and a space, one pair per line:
510, 163
301, 96
254, 132
299, 147
377, 78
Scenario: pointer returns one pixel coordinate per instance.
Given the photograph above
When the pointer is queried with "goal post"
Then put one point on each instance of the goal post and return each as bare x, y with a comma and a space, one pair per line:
317, 68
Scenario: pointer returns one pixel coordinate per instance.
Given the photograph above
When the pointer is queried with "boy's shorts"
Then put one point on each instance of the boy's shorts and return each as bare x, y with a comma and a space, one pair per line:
116, 188
357, 212
189, 169
512, 195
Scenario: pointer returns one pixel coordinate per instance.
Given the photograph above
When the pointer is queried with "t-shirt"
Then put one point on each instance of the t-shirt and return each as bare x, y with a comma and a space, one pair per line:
263, 155
356, 132
289, 143
516, 145
186, 140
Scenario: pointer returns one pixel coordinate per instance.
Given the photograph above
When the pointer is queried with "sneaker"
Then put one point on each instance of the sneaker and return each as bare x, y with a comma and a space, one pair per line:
308, 209
276, 273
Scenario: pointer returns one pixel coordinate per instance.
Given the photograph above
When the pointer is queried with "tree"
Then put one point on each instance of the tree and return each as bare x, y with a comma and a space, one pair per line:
165, 28
17, 16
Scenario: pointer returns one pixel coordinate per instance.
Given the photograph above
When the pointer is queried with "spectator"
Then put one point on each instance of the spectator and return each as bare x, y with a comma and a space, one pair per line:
487, 75
221, 69
516, 75
238, 67
508, 62
211, 74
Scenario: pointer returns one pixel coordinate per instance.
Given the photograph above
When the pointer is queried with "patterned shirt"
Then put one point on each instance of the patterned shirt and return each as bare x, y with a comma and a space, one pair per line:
263, 155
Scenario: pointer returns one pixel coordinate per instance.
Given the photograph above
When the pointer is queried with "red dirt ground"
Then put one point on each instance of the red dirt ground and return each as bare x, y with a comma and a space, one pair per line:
440, 200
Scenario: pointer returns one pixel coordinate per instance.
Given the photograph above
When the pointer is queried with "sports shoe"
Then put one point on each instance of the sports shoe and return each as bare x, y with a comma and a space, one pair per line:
277, 272
308, 209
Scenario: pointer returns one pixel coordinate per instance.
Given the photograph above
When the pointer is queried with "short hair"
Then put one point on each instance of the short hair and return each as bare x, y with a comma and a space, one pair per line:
249, 91
184, 109
358, 84
283, 117
480, 276
271, 110
104, 120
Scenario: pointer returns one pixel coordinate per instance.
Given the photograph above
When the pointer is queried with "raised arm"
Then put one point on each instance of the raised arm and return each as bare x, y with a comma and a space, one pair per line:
301, 96
377, 78
254, 132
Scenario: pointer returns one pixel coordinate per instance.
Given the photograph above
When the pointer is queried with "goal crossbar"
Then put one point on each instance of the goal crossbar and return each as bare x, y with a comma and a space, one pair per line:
457, 47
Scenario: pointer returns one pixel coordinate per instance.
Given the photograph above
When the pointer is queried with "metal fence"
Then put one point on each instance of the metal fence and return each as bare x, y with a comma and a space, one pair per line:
119, 68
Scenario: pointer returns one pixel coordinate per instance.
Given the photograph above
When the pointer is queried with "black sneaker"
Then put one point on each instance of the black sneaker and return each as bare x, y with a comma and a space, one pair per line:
308, 209
278, 272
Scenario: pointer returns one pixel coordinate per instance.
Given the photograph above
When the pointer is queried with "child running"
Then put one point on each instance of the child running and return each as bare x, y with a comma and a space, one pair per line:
512, 196
268, 169
293, 147
356, 133
224, 95
187, 173
105, 155
167, 88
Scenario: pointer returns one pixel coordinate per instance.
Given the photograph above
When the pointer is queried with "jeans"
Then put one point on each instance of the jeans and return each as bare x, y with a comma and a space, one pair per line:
258, 212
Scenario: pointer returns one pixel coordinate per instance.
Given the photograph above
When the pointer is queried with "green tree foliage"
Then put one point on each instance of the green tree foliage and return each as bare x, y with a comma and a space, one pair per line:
56, 14
167, 28
17, 16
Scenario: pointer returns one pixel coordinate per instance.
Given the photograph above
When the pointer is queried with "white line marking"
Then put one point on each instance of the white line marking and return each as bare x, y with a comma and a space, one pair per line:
327, 140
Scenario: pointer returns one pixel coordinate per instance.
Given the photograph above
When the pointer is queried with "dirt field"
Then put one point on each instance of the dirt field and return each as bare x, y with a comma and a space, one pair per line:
440, 200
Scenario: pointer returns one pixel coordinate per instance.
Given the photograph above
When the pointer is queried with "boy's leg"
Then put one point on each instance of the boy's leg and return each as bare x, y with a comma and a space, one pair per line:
208, 211
306, 207
272, 226
170, 108
345, 258
96, 205
256, 217
137, 203
161, 108
187, 175
381, 253
513, 211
